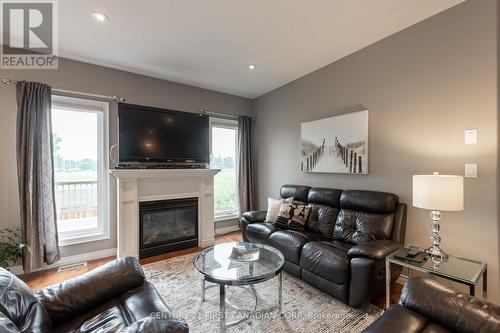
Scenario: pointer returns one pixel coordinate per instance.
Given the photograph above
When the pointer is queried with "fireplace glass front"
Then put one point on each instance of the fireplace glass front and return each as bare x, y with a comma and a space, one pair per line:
167, 225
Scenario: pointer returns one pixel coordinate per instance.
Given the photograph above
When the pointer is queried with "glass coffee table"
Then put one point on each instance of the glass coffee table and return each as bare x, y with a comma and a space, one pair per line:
240, 265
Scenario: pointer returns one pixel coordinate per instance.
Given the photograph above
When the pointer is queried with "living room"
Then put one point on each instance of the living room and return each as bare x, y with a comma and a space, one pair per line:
287, 166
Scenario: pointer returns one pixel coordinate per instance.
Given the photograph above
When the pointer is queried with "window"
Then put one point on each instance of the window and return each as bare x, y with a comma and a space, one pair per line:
224, 152
80, 141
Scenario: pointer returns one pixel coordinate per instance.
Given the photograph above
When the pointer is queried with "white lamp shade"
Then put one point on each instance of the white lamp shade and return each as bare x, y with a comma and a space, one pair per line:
438, 192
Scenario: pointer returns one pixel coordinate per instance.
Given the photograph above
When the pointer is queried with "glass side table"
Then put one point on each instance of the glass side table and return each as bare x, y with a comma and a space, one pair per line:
457, 269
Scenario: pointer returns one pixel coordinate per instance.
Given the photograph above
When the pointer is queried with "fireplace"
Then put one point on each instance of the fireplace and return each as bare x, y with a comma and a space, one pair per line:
167, 225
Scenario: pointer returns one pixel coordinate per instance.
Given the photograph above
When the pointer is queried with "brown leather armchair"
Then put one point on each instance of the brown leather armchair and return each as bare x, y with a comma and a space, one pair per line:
112, 298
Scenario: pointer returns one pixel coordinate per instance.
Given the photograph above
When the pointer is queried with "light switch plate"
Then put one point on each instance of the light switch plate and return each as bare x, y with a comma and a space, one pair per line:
470, 136
471, 170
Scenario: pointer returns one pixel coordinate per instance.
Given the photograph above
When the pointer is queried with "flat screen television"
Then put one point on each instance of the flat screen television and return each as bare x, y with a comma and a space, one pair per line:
150, 136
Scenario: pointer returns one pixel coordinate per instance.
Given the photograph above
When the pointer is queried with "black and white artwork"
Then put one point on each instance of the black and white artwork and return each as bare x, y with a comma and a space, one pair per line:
336, 145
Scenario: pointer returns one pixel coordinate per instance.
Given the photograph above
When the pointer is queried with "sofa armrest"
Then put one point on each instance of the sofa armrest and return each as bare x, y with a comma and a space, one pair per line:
255, 216
70, 298
459, 312
398, 319
377, 250
152, 325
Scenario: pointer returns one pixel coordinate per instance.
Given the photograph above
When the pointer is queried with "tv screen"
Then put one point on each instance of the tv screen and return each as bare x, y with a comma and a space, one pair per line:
155, 135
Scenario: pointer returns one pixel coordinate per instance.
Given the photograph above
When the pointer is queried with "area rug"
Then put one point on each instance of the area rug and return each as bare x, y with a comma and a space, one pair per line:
305, 308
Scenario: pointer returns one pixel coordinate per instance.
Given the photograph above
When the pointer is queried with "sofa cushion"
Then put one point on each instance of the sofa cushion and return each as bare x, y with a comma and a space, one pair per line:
290, 243
357, 227
369, 201
298, 192
322, 219
324, 196
20, 306
341, 245
365, 216
325, 260
260, 232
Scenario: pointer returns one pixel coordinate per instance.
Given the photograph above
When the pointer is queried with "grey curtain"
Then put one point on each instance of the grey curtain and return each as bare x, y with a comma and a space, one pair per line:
246, 177
36, 174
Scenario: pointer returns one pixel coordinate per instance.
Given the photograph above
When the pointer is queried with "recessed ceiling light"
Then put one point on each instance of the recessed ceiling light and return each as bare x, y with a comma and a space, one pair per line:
99, 17
252, 67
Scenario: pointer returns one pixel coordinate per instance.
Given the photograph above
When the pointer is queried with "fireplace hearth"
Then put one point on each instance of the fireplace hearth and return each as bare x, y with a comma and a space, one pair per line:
167, 225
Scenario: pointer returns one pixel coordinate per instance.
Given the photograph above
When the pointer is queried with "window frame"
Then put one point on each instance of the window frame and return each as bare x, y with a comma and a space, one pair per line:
228, 124
102, 232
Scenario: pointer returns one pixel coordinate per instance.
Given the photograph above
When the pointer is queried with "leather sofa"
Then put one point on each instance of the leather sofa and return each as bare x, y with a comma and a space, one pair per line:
344, 255
429, 307
112, 298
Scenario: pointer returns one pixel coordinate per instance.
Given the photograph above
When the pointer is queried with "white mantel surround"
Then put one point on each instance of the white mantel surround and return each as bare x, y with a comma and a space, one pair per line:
138, 185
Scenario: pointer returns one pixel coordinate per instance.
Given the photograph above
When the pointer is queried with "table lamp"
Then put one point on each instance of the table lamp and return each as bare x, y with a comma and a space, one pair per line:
438, 192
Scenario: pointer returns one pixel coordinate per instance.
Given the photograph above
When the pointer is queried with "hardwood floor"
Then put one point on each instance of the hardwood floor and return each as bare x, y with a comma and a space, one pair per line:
43, 279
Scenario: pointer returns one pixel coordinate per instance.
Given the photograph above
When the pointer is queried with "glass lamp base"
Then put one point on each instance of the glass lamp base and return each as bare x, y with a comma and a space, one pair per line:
436, 252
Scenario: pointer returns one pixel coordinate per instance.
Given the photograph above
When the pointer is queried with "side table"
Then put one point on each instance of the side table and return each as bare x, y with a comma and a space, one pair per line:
457, 269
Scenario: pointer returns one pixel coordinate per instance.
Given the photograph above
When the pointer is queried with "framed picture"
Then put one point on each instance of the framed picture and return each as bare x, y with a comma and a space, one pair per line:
335, 145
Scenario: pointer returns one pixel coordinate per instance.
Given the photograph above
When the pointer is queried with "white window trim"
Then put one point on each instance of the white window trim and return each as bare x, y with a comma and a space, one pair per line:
231, 124
225, 217
103, 231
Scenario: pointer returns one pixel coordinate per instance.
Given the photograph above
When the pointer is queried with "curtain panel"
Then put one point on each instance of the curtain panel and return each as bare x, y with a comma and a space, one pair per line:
36, 174
246, 177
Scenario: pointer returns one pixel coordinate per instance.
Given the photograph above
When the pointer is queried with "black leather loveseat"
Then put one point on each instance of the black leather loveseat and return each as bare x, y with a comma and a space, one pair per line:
112, 298
342, 253
426, 306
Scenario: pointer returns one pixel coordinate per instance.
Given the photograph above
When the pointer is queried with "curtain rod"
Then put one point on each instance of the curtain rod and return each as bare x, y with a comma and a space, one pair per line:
8, 82
221, 115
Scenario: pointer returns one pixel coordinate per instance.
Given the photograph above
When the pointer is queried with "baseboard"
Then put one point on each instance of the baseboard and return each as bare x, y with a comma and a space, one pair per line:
226, 230
18, 270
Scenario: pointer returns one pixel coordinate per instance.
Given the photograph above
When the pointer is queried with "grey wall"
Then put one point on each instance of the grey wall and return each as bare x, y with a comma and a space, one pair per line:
423, 87
84, 77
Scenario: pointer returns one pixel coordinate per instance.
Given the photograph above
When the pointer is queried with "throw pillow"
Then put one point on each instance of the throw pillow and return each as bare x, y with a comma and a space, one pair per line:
292, 216
273, 208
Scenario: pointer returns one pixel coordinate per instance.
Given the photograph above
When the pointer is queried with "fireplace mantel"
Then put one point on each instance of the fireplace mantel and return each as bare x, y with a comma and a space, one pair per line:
162, 173
139, 185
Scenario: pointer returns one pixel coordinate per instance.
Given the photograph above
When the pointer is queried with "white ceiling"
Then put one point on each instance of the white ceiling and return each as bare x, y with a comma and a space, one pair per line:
210, 43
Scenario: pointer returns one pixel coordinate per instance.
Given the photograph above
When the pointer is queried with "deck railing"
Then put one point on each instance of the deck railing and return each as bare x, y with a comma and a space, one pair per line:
76, 199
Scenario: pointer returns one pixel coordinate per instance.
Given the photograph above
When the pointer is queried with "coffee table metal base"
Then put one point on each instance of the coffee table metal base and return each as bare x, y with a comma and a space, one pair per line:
224, 303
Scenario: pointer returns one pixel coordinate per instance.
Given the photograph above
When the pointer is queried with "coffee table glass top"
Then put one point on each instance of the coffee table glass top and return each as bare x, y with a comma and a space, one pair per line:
456, 268
239, 263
